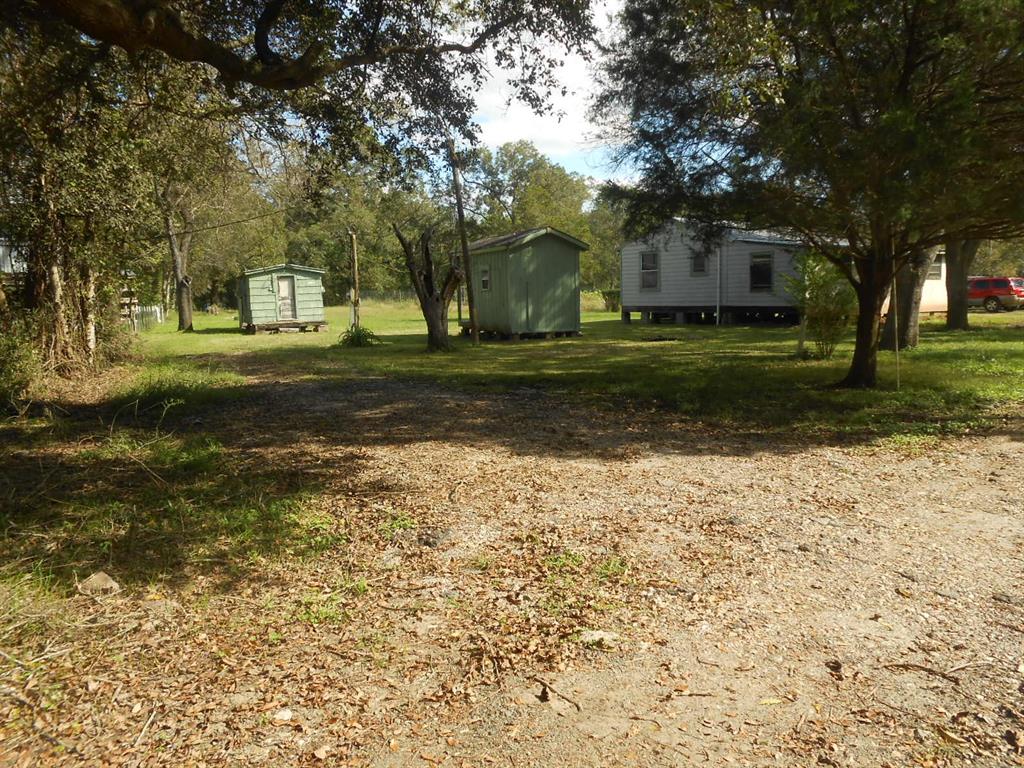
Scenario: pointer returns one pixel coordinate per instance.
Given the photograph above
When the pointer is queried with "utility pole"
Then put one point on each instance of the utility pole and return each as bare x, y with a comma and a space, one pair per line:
474, 326
355, 280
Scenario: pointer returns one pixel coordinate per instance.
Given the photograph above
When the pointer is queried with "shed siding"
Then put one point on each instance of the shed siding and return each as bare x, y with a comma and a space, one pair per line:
492, 304
261, 306
534, 287
545, 287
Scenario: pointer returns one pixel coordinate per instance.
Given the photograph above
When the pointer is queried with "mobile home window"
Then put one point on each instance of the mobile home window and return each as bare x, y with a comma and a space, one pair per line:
760, 272
485, 278
649, 269
699, 265
935, 270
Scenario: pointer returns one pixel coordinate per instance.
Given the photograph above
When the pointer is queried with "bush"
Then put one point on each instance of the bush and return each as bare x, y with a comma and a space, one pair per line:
612, 300
591, 301
359, 337
19, 364
825, 298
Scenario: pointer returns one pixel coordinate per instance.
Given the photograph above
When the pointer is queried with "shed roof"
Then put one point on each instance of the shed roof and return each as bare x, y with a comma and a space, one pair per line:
516, 239
276, 267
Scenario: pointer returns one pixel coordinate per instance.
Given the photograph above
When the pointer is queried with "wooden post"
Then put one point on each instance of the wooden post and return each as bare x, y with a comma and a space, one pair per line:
466, 266
355, 280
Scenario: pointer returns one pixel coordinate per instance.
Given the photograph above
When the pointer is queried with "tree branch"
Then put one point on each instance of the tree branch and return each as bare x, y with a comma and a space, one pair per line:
135, 24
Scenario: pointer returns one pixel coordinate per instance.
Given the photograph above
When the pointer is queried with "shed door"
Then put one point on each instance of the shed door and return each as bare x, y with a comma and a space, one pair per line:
286, 297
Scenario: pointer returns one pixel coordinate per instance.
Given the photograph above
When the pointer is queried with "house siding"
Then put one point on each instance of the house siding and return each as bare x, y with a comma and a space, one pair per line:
679, 288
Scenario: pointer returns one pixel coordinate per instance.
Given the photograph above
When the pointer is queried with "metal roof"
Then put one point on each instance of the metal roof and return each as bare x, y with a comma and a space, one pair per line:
297, 267
506, 242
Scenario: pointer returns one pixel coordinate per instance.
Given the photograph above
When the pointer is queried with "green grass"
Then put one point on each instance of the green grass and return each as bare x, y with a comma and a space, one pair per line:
150, 482
734, 376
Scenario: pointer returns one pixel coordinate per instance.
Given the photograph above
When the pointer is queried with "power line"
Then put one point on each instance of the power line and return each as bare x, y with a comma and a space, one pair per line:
223, 224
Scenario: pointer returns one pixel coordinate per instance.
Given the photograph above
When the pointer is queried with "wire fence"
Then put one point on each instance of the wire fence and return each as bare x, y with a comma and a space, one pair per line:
143, 318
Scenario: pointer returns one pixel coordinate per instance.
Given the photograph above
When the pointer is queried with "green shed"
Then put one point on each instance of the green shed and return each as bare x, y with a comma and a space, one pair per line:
282, 296
528, 282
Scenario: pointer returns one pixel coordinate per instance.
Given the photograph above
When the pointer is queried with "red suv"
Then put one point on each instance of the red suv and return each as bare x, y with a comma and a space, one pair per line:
995, 293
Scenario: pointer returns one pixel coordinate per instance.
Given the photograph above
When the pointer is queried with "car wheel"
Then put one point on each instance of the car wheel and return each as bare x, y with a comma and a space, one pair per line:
992, 304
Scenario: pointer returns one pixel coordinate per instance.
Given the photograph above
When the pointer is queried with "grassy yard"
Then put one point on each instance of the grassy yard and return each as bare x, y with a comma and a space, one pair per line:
736, 376
288, 519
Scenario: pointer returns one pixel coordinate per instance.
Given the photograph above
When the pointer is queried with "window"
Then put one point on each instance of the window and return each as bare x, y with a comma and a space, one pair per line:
760, 273
935, 270
485, 278
1002, 285
980, 285
699, 263
649, 270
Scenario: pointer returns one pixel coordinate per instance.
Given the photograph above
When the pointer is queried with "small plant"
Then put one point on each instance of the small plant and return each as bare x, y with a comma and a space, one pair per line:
565, 561
19, 366
321, 609
356, 587
395, 523
358, 336
825, 299
612, 569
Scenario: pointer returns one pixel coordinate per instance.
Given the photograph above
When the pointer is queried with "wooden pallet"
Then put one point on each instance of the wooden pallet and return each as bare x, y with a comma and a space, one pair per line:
299, 325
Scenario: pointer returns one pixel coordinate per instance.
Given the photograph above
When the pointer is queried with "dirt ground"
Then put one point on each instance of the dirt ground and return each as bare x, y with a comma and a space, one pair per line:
526, 582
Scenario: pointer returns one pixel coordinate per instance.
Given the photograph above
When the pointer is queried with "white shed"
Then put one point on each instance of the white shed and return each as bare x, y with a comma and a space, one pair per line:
674, 276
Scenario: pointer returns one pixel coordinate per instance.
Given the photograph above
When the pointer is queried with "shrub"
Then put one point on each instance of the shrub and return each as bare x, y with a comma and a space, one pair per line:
612, 300
825, 298
19, 364
359, 337
591, 301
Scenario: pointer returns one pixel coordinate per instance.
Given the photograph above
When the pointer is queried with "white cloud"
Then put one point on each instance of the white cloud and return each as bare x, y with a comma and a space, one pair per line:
565, 134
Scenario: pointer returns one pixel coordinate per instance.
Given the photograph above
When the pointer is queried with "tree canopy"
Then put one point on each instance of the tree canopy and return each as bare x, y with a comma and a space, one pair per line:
869, 130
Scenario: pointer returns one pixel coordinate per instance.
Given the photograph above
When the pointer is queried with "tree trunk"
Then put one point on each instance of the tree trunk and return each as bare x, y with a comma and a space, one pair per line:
355, 279
474, 324
435, 312
434, 297
183, 296
903, 320
175, 203
59, 342
89, 311
959, 258
874, 272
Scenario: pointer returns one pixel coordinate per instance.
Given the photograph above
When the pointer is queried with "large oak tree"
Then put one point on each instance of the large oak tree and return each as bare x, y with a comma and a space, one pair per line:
870, 130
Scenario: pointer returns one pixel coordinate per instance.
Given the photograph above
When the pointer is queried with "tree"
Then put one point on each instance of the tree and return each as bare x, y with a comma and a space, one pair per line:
871, 131
385, 70
518, 188
903, 320
433, 291
600, 267
74, 197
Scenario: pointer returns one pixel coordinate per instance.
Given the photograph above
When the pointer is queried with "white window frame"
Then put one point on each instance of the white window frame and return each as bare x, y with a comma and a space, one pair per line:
656, 271
485, 278
705, 259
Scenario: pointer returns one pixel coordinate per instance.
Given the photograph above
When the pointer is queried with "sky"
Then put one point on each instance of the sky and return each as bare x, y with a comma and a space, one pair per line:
565, 135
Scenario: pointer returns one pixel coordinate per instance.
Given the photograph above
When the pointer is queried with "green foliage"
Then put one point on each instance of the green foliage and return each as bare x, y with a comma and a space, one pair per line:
826, 300
1000, 258
360, 336
518, 188
822, 118
19, 363
612, 300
